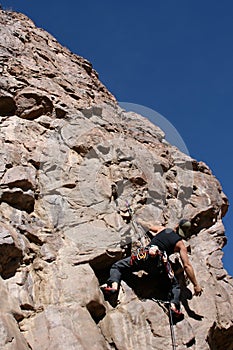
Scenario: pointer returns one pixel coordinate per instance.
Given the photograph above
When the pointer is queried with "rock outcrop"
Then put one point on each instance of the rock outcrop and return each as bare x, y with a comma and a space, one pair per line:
71, 160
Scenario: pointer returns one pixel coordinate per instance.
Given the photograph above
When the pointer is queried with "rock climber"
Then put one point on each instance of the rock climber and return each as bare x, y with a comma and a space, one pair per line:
154, 260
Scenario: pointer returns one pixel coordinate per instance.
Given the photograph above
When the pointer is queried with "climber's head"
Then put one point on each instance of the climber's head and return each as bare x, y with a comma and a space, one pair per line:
183, 228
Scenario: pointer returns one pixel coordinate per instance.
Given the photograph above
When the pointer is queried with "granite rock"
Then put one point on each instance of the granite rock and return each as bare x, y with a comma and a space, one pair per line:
71, 162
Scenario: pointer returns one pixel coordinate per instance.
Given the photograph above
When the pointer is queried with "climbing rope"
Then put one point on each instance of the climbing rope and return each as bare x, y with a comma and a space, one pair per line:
173, 338
172, 328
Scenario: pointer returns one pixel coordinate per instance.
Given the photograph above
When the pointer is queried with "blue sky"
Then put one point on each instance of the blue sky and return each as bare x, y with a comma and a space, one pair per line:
174, 57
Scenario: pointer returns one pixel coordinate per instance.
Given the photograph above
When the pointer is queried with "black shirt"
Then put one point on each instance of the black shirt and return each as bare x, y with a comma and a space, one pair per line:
166, 240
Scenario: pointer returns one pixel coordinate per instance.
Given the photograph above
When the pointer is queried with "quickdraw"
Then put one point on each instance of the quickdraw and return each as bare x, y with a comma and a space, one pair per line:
140, 254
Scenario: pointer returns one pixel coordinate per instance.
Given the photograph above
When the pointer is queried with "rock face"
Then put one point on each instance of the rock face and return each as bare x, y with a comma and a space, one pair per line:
71, 160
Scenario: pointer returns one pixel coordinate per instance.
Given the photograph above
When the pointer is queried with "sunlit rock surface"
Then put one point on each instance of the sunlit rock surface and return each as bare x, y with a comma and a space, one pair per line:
70, 162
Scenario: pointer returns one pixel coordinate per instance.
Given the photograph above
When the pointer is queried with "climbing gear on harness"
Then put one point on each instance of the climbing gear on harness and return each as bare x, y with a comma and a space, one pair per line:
168, 303
143, 253
140, 254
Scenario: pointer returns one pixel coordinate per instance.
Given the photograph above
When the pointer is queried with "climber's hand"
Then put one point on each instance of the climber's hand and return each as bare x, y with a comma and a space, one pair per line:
198, 290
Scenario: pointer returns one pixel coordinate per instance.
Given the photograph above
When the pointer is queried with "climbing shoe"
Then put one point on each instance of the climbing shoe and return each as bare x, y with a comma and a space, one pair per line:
176, 314
108, 290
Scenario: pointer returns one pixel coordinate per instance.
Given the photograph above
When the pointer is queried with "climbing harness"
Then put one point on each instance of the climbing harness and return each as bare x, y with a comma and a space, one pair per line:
159, 257
173, 338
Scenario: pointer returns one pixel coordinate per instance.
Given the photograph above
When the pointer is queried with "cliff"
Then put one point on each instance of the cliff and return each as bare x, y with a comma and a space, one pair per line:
71, 159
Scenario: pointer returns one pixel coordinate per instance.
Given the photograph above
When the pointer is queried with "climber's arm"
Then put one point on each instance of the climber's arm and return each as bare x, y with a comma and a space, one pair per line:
180, 247
153, 228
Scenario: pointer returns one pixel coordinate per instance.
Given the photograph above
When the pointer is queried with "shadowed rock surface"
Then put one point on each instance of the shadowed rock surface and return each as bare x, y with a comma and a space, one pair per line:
70, 161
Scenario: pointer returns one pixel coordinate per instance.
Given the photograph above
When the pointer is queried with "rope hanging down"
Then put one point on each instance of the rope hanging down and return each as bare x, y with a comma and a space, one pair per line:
173, 338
